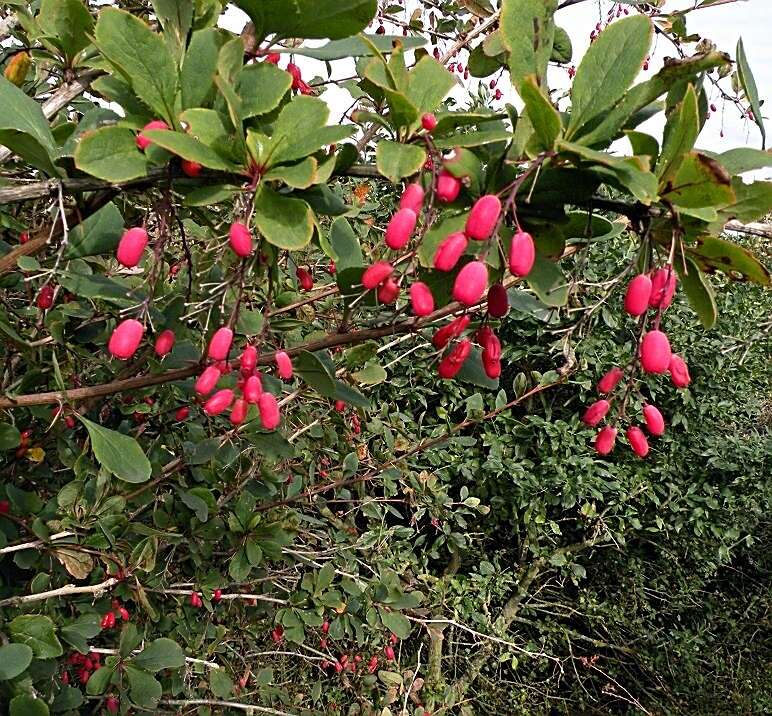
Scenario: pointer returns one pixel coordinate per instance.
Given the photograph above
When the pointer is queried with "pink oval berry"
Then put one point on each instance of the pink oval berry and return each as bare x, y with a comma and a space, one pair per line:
663, 287
638, 295
144, 142
412, 198
655, 423
283, 365
239, 411
610, 381
596, 412
376, 274
483, 217
429, 122
471, 283
220, 343
421, 299
240, 239
679, 372
269, 411
400, 229
655, 352
388, 291
491, 354
605, 439
522, 253
219, 402
126, 338
207, 381
253, 389
451, 364
638, 441
164, 343
498, 301
453, 330
449, 251
131, 247
248, 360
305, 279
448, 187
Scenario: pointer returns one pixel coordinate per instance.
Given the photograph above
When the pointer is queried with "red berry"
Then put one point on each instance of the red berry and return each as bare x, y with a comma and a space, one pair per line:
240, 239
421, 299
253, 389
453, 330
655, 352
220, 344
471, 283
248, 360
207, 381
124, 613
126, 338
83, 676
219, 402
325, 627
322, 643
5, 507
239, 412
388, 291
393, 639
491, 355
429, 122
112, 704
498, 94
195, 600
108, 621
389, 651
191, 169
376, 274
483, 217
340, 405
217, 597
596, 412
305, 279
268, 406
45, 297
448, 187
283, 365
277, 634
498, 301
451, 364
70, 422
663, 286
23, 237
142, 141
605, 439
273, 58
400, 229
412, 198
182, 413
679, 372
372, 665
450, 251
522, 253
65, 678
638, 295
610, 381
638, 441
655, 423
164, 343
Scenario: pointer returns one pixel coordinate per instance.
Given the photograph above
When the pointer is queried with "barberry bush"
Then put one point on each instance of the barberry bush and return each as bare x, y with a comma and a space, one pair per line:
272, 376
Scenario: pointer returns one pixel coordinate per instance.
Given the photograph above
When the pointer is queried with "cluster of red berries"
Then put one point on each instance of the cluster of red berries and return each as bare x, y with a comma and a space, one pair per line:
117, 611
645, 292
81, 666
346, 663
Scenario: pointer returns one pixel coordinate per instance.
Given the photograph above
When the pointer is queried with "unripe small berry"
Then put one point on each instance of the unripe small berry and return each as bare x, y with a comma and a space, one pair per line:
498, 301
131, 247
207, 381
679, 372
239, 411
610, 381
449, 251
453, 330
268, 406
305, 279
240, 239
219, 402
253, 389
522, 253
144, 142
655, 352
376, 274
45, 297
220, 344
248, 360
471, 283
421, 299
638, 441
125, 339
429, 122
655, 423
412, 198
638, 295
483, 217
448, 187
605, 439
283, 365
400, 229
596, 412
451, 364
388, 291
663, 287
164, 343
182, 413
190, 168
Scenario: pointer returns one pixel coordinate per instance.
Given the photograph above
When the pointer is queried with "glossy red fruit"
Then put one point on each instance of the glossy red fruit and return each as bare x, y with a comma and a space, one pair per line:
240, 239
164, 343
253, 389
305, 279
340, 406
126, 338
483, 217
448, 187
655, 423
610, 381
522, 253
277, 634
655, 352
421, 299
191, 169
131, 247
325, 627
596, 412
23, 237
207, 381
195, 600
283, 365
471, 283
108, 621
220, 344
429, 122
268, 406
453, 330
372, 665
400, 229
449, 251
124, 613
376, 274
452, 363
112, 704
182, 413
5, 507
219, 402
45, 298
239, 411
248, 360
70, 422
498, 301
412, 198
663, 287
144, 142
217, 596
388, 291
491, 354
389, 651
638, 295
393, 639
605, 439
638, 441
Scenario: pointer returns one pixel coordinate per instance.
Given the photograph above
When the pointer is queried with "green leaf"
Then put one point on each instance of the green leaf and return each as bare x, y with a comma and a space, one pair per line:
345, 245
396, 160
78, 632
643, 144
474, 139
67, 699
284, 222
752, 201
699, 291
680, 134
145, 689
97, 286
364, 46
117, 453
239, 566
100, 233
429, 84
700, 182
25, 705
24, 129
299, 176
111, 153
220, 683
544, 117
99, 681
37, 632
748, 83
744, 159
722, 255
608, 68
143, 58
527, 31
562, 48
350, 396
196, 504
261, 87
69, 22
200, 67
188, 147
10, 437
473, 372
372, 374
548, 282
315, 372
160, 654
176, 18
14, 660
395, 622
